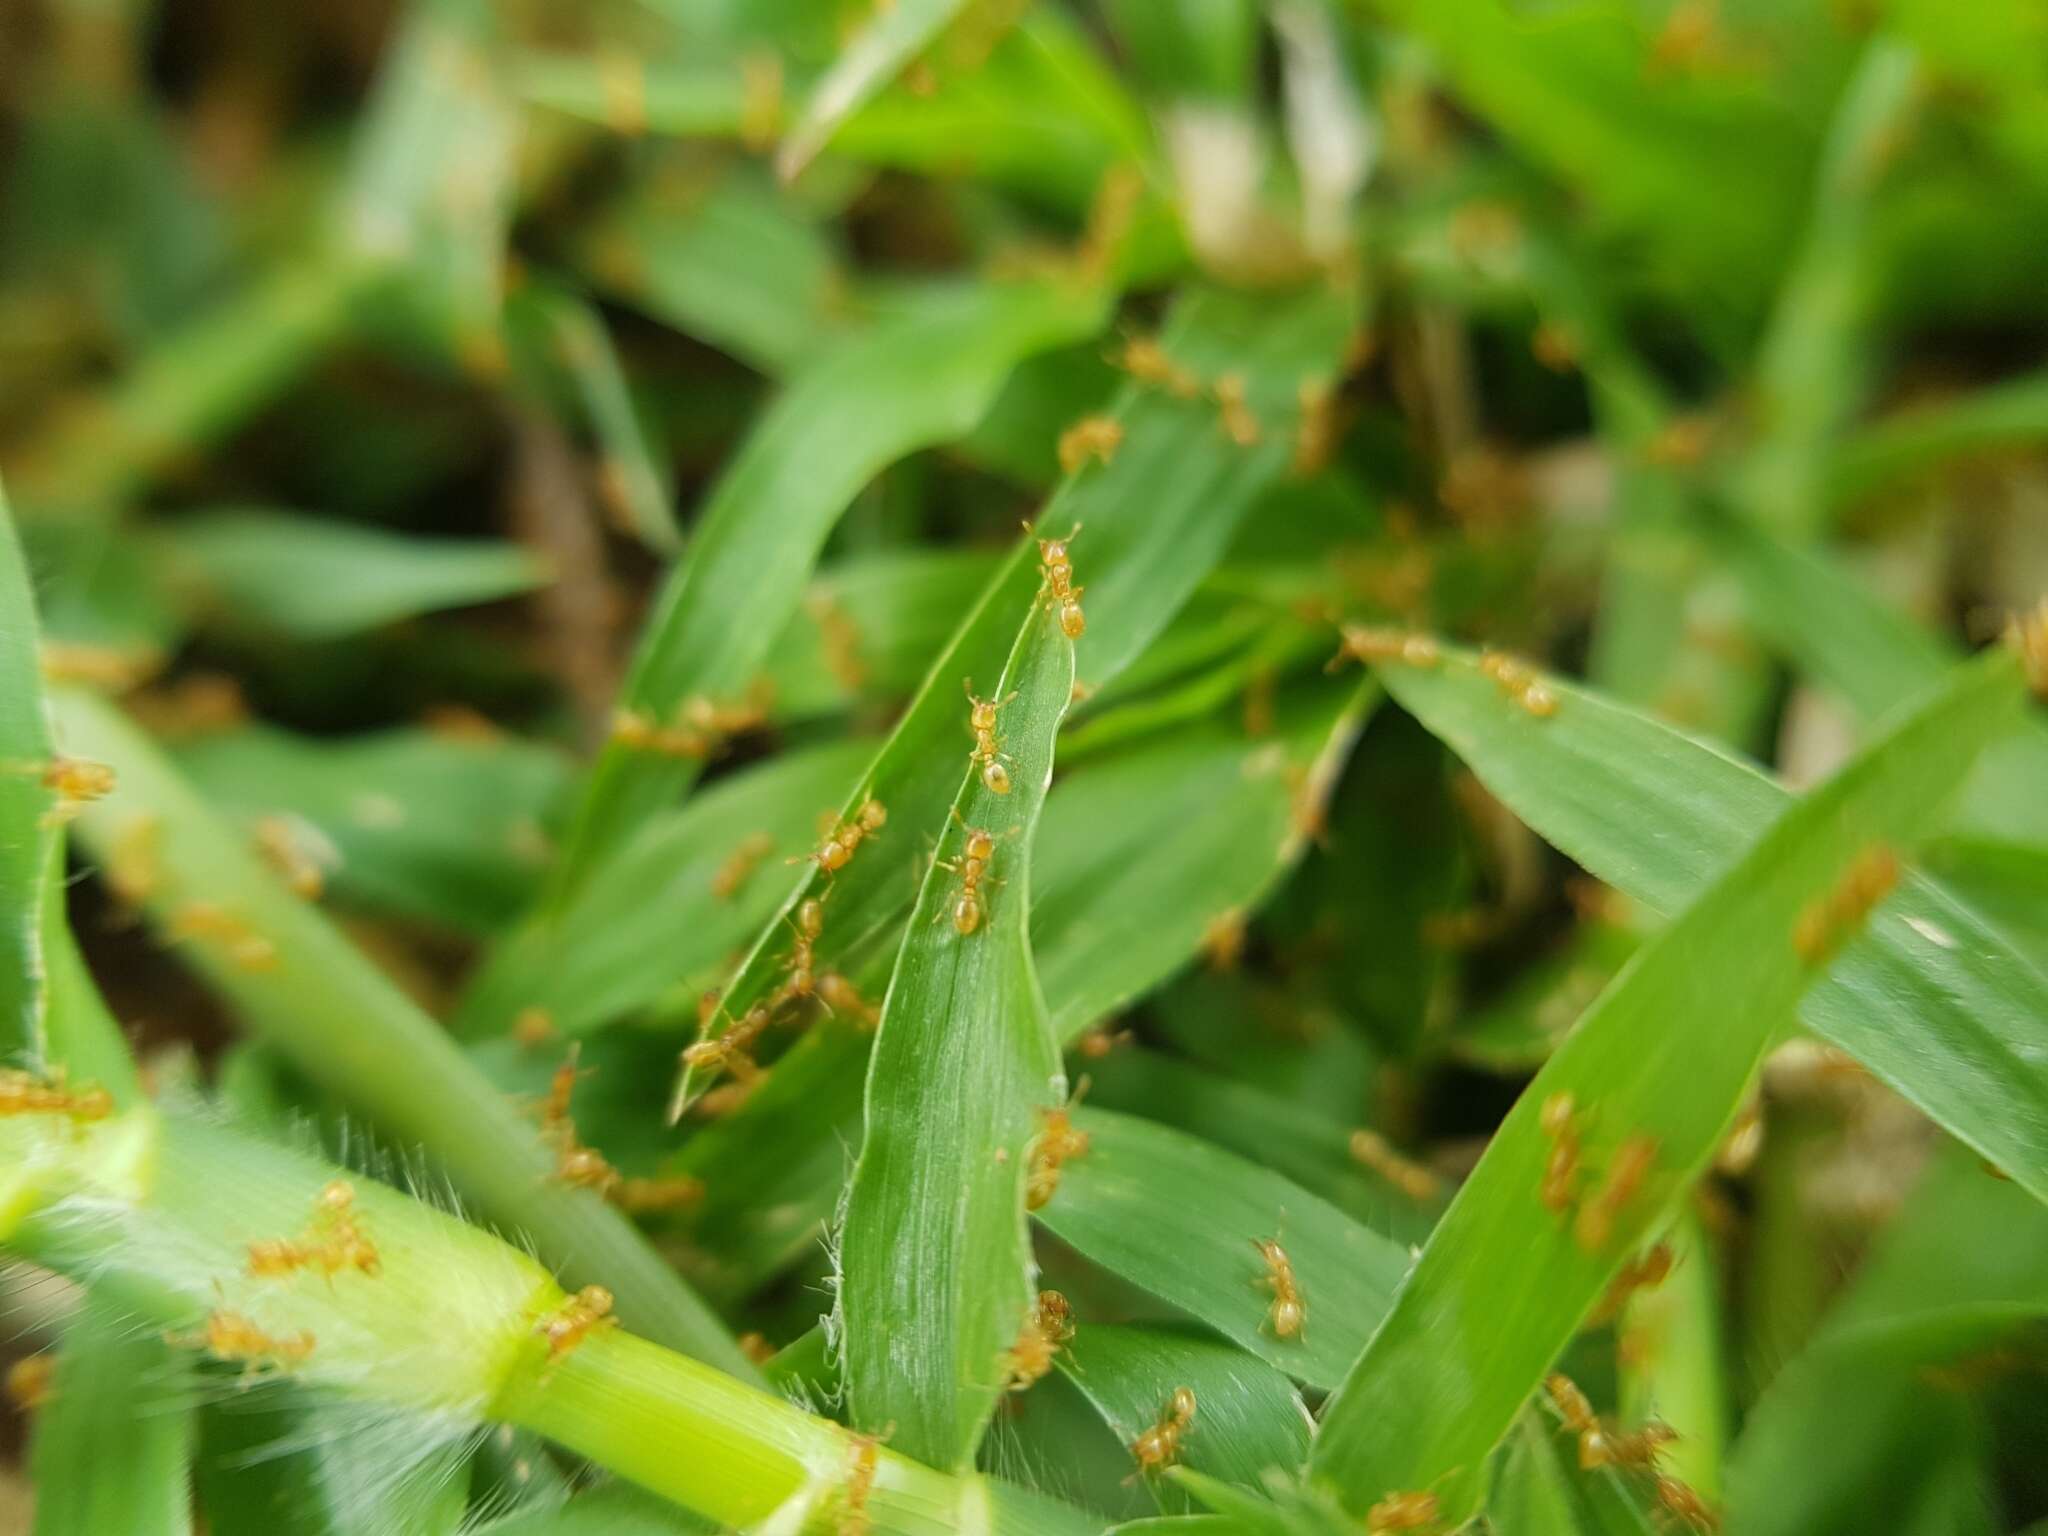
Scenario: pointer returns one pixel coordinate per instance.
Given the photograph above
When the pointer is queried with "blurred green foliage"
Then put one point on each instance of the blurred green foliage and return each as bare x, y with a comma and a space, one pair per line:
508, 487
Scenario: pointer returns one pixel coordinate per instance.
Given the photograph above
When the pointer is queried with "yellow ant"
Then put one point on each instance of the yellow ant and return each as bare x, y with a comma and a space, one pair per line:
638, 1196
987, 749
863, 1462
844, 841
1625, 1175
331, 1242
1062, 595
807, 925
1404, 1173
231, 1336
1679, 1499
1561, 1170
77, 782
1047, 1325
579, 1316
1518, 680
1058, 1142
1239, 424
1145, 360
841, 996
1159, 1446
1092, 437
1643, 1274
740, 865
1289, 1314
1826, 923
24, 1093
977, 852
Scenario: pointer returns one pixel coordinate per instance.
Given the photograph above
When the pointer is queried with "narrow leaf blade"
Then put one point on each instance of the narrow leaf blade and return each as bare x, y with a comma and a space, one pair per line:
1666, 1054
1179, 1218
1657, 813
936, 1256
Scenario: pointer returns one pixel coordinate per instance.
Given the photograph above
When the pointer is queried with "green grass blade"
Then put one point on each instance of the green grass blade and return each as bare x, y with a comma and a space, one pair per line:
413, 823
312, 578
1810, 367
112, 1449
1269, 1128
1672, 1370
920, 379
559, 340
1142, 854
1539, 1490
1661, 1055
1814, 612
1124, 888
159, 1209
1102, 866
1852, 1424
30, 844
1900, 448
1857, 646
736, 266
300, 983
888, 42
870, 627
329, 1468
51, 1012
663, 916
935, 1256
1578, 93
1156, 519
432, 175
1248, 1420
1178, 1218
1931, 999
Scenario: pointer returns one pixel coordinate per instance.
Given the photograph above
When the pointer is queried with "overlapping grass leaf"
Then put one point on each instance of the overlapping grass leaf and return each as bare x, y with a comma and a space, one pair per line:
298, 982
1931, 999
1155, 519
923, 377
1658, 1066
1103, 866
113, 1442
887, 42
1180, 1218
1249, 1420
935, 1258
30, 844
423, 824
1877, 1406
662, 918
311, 578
